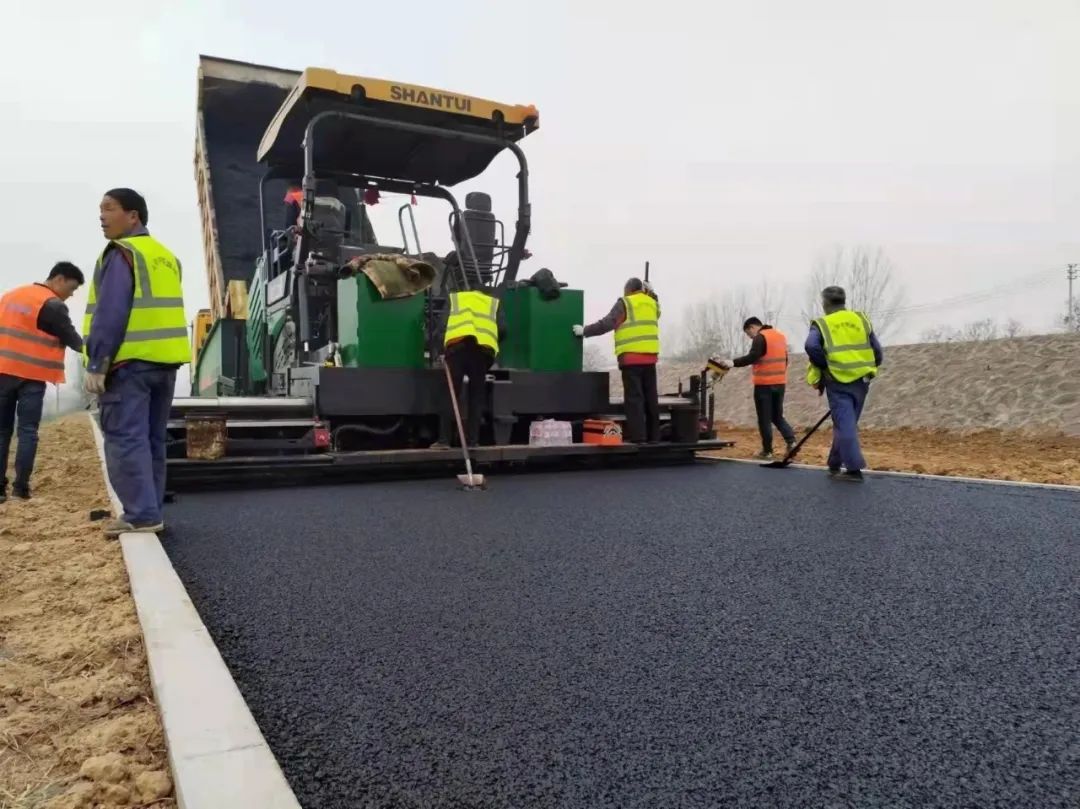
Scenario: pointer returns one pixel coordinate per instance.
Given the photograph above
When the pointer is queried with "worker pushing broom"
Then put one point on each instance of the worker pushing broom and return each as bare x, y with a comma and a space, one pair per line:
843, 354
474, 327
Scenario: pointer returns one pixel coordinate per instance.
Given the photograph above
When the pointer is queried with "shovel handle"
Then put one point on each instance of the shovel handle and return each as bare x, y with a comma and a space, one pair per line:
809, 433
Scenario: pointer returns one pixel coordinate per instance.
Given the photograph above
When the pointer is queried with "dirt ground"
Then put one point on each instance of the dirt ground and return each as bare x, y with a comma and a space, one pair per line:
1036, 458
78, 726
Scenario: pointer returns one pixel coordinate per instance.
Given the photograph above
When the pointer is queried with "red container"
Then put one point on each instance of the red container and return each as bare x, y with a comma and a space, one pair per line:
602, 432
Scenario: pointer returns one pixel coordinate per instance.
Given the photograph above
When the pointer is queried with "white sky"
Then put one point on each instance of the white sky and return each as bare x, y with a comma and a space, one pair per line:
724, 141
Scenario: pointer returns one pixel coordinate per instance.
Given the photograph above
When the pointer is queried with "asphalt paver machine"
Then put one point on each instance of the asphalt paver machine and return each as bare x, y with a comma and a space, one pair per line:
320, 353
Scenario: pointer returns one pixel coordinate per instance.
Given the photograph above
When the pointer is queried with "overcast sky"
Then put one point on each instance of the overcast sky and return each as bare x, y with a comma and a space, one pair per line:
725, 142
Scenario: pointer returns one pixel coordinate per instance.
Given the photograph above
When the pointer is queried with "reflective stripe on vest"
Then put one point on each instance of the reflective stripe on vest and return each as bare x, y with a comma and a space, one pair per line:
845, 336
771, 368
25, 350
157, 327
639, 333
473, 314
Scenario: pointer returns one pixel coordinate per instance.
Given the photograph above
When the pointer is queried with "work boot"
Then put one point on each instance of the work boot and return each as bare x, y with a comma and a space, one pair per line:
834, 471
114, 528
762, 456
791, 445
20, 492
849, 476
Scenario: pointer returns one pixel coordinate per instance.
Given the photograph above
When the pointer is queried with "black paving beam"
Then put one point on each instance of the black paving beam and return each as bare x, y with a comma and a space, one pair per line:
191, 475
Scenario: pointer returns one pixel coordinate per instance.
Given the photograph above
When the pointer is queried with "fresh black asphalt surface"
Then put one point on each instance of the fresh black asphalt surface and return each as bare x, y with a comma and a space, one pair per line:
719, 635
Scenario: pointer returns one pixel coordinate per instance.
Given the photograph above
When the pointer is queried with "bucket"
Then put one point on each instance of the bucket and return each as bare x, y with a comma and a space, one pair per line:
206, 435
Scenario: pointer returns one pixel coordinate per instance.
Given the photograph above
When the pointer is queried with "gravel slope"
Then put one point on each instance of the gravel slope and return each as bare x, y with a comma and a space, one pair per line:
651, 638
1030, 384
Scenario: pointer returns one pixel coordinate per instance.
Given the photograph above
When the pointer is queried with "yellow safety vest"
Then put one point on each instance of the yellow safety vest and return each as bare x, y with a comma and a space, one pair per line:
845, 336
473, 314
157, 327
640, 332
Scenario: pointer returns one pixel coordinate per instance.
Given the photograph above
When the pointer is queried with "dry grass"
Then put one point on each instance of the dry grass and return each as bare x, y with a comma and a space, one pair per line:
993, 454
74, 685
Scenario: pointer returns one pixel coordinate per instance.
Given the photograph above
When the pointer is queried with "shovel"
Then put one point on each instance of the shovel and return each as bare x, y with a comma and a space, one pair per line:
790, 456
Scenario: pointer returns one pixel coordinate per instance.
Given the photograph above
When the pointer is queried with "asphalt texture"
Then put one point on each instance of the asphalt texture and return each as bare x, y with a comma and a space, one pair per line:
717, 635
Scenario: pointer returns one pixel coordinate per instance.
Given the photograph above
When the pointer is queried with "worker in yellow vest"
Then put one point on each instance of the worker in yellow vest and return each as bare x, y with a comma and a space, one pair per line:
35, 326
635, 319
768, 360
474, 328
844, 355
136, 338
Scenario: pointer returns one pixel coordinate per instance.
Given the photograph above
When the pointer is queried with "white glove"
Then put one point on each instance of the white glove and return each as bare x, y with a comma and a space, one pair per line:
579, 331
94, 384
726, 365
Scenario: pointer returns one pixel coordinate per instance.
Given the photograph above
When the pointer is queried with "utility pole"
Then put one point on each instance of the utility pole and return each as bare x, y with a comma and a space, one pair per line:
1070, 273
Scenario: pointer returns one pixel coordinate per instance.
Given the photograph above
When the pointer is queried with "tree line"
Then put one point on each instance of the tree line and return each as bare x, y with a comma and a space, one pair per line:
714, 326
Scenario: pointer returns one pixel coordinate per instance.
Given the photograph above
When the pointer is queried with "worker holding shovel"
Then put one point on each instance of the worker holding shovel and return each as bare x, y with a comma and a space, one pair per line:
768, 360
844, 355
475, 325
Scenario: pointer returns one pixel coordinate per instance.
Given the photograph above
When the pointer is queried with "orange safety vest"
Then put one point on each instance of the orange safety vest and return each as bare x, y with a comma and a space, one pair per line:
25, 350
771, 369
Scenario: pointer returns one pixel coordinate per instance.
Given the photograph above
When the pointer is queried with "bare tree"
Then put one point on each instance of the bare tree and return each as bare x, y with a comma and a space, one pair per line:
975, 331
769, 299
594, 358
868, 276
938, 334
714, 326
979, 331
1071, 324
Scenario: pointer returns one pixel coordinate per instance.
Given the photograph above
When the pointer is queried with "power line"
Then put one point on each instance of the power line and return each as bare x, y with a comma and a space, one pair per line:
1030, 281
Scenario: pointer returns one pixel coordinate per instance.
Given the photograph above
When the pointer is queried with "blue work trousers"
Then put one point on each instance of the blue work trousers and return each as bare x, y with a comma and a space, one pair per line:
846, 402
134, 420
23, 399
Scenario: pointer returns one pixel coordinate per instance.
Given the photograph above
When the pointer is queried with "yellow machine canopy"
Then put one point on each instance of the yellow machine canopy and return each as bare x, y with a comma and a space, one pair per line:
404, 132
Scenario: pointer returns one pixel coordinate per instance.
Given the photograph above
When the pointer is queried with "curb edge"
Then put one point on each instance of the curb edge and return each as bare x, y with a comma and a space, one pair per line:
218, 756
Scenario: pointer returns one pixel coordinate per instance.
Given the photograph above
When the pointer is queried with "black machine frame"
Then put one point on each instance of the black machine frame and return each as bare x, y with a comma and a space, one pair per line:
523, 224
340, 393
386, 397
522, 227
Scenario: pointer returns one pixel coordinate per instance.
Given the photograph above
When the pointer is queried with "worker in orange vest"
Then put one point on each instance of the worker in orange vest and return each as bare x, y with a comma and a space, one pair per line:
34, 328
768, 359
294, 199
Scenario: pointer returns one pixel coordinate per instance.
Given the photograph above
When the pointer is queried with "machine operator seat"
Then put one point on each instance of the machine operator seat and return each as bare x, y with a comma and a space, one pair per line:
330, 218
480, 225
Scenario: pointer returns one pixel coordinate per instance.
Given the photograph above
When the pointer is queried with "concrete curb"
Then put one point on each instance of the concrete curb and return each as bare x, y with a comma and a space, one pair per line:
218, 755
921, 475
